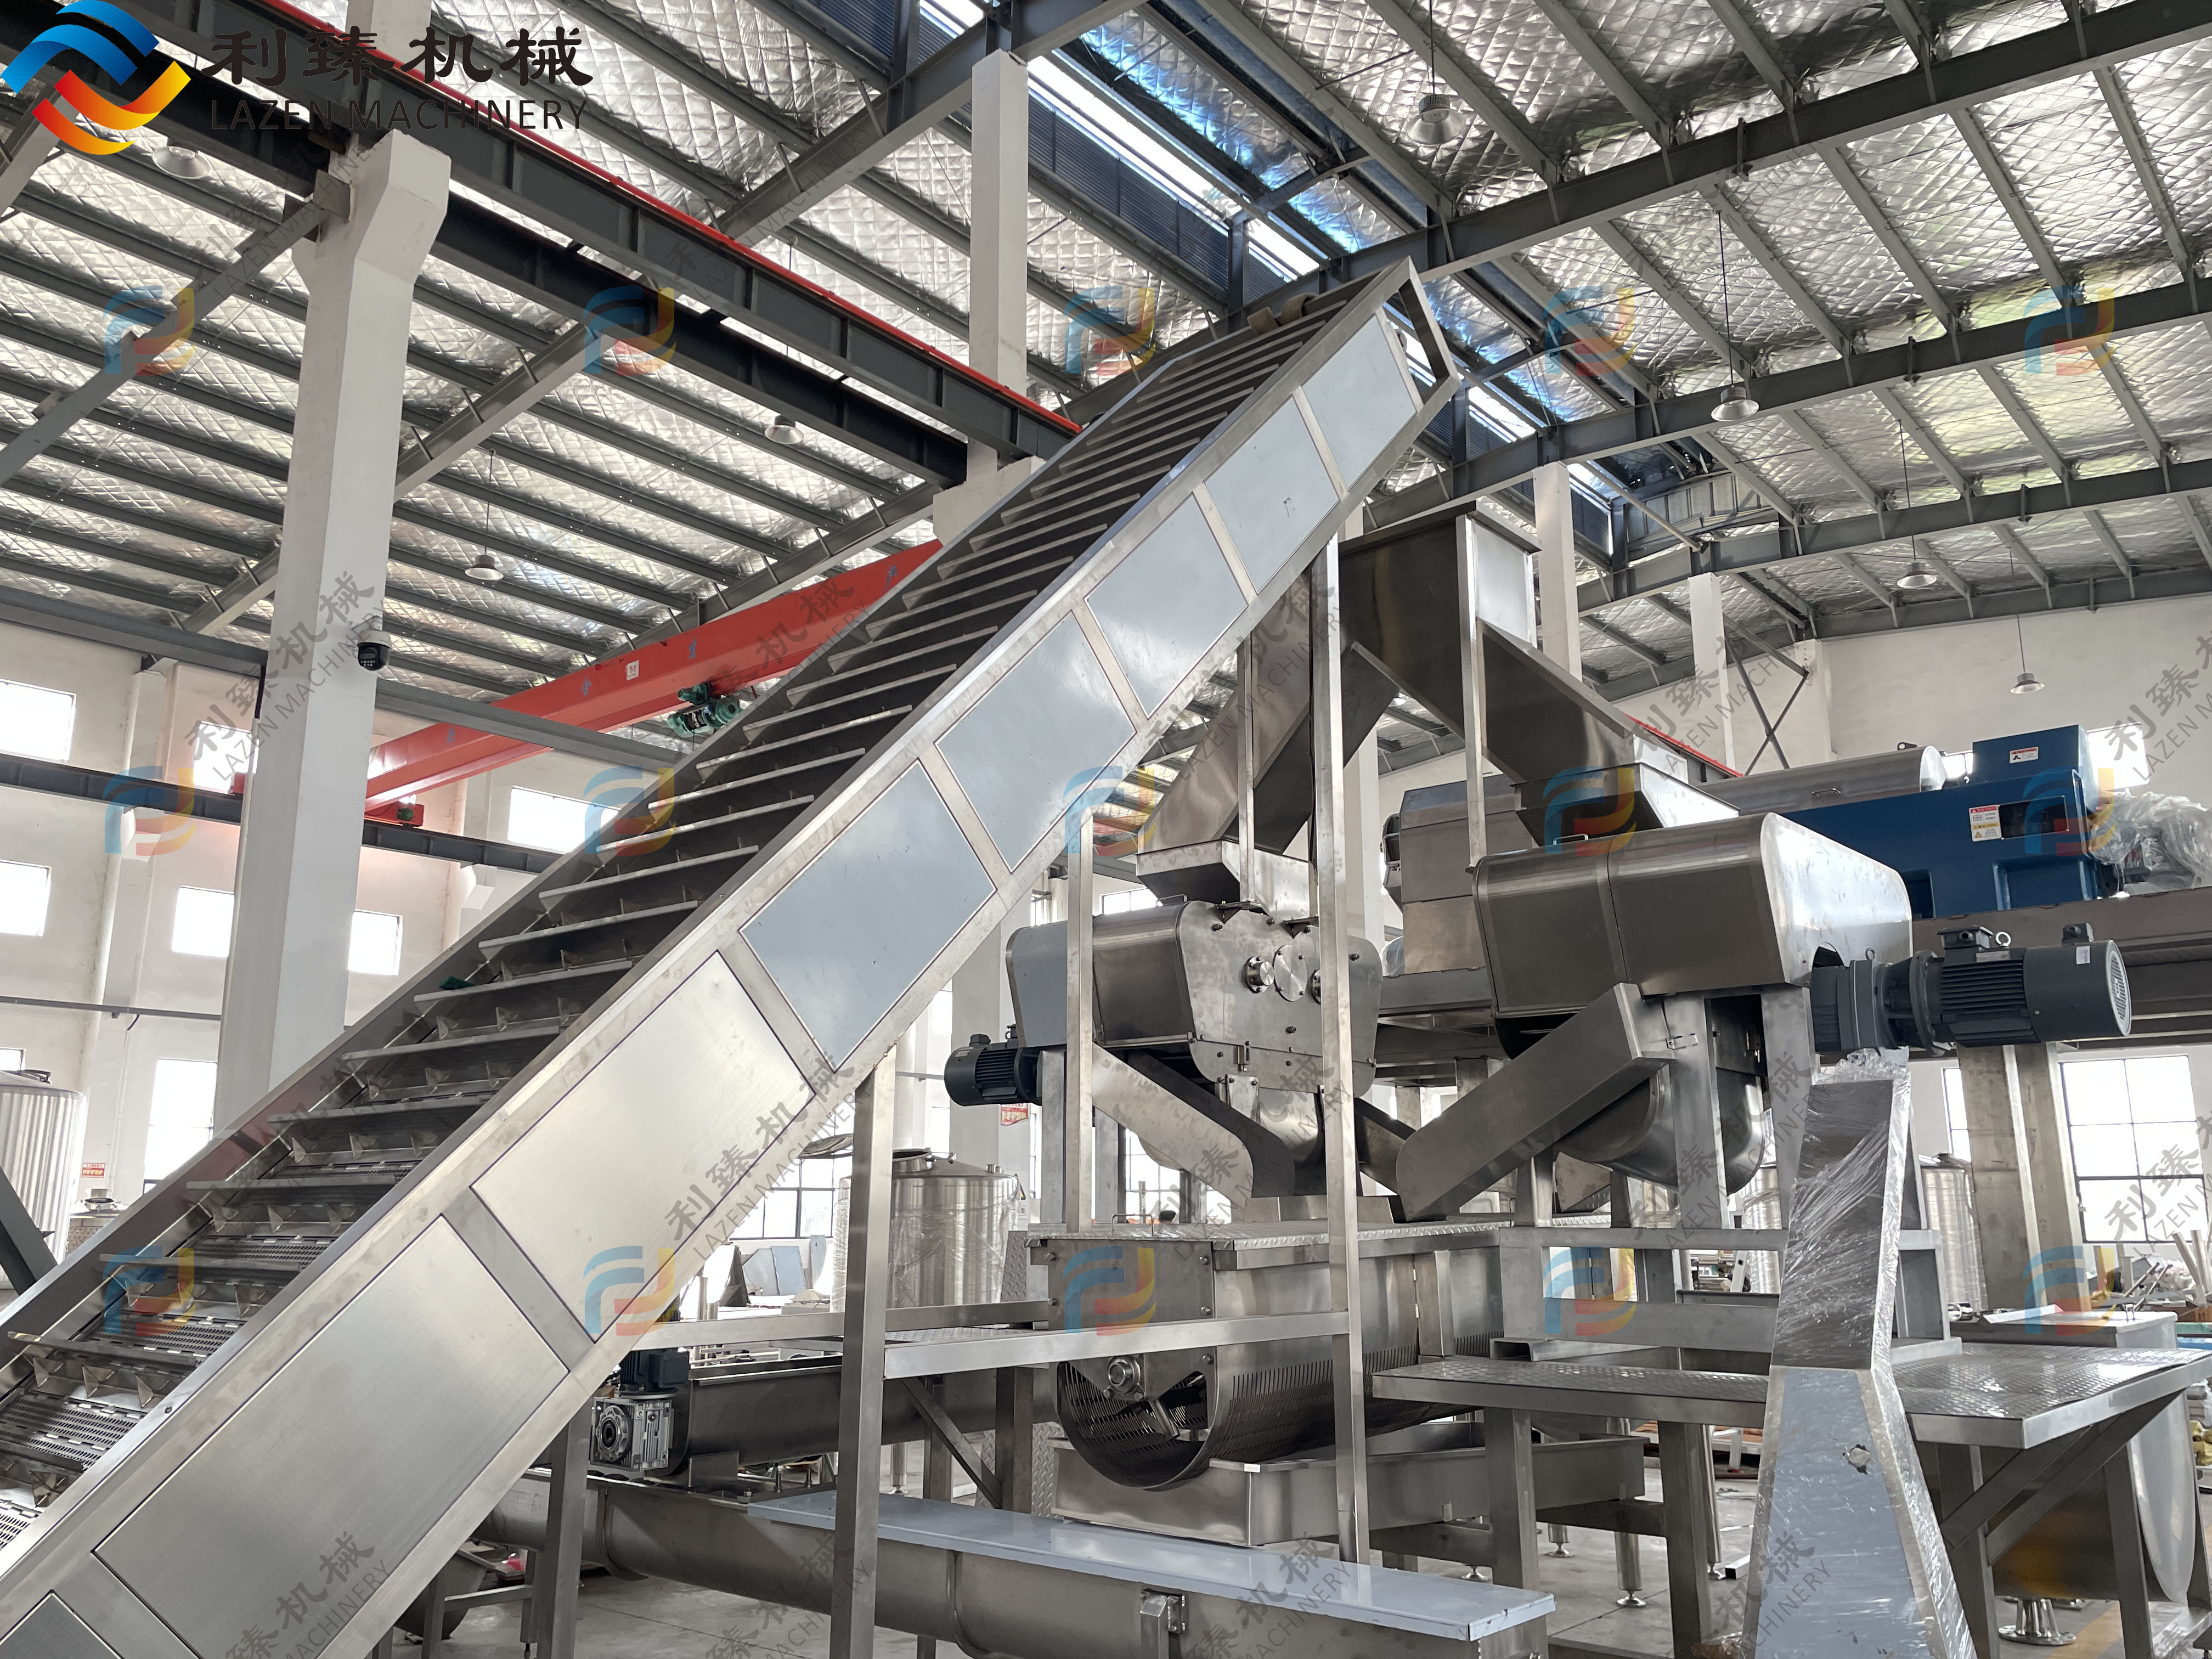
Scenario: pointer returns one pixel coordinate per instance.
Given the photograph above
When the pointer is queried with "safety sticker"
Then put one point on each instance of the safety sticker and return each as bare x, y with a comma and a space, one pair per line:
1985, 824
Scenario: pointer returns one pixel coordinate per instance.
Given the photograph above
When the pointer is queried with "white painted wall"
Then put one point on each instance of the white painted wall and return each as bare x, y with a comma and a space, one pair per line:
2145, 662
435, 901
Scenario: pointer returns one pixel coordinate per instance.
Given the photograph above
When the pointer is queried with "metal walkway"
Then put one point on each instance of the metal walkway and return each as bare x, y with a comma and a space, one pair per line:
262, 1407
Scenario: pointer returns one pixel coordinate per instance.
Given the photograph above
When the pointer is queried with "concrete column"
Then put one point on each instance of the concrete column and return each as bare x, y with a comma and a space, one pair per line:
396, 24
1708, 725
127, 906
1555, 567
298, 863
2049, 1149
998, 273
998, 245
2003, 1183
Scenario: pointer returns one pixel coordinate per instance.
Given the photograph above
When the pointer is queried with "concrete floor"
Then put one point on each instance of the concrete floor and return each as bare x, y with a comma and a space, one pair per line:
654, 1619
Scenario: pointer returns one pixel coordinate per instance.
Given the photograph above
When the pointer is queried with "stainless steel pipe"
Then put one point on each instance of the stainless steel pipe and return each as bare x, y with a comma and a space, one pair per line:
990, 1608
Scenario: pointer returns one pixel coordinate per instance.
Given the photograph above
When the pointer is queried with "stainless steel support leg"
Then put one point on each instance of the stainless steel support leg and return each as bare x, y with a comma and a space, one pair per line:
1014, 1444
1080, 1145
1347, 1347
860, 1400
1509, 1462
1957, 1473
936, 1483
1628, 1562
2133, 1580
1559, 1537
550, 1615
1686, 1469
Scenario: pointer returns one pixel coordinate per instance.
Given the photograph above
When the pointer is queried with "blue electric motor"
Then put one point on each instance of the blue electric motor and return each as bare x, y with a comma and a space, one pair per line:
2014, 832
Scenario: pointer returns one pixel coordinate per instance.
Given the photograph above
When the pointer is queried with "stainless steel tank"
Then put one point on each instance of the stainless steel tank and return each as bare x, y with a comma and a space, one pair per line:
42, 1148
949, 1225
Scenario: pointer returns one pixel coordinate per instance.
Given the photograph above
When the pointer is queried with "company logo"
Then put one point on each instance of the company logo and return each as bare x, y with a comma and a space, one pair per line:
1592, 810
157, 813
629, 331
119, 65
2074, 335
619, 819
1097, 1296
1109, 330
611, 1272
164, 349
1567, 1313
149, 1293
1601, 345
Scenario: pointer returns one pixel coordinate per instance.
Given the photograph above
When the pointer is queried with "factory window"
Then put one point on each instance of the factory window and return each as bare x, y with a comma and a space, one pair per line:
182, 1118
35, 721
1132, 898
11, 1059
2137, 1165
24, 889
2119, 751
220, 754
201, 926
803, 1203
552, 824
375, 944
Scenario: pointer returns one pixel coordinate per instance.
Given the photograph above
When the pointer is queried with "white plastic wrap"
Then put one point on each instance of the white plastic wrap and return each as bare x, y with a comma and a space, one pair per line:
2155, 841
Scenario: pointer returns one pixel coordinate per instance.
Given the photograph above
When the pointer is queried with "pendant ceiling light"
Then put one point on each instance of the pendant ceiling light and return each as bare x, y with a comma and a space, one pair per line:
484, 569
1739, 404
1919, 573
783, 430
2027, 684
1440, 117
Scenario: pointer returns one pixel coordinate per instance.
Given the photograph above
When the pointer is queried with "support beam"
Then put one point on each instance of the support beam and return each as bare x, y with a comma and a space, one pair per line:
928, 93
56, 416
298, 862
1781, 392
730, 654
2028, 61
525, 173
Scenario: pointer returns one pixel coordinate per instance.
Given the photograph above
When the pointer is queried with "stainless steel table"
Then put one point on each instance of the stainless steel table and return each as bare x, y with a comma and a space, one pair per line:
2010, 1396
2058, 1417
